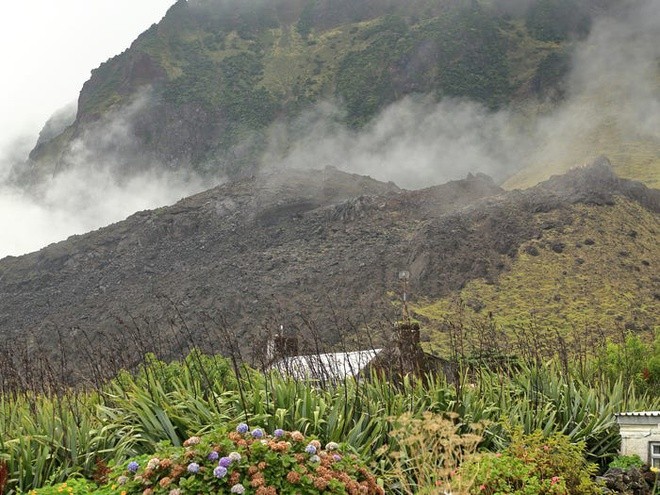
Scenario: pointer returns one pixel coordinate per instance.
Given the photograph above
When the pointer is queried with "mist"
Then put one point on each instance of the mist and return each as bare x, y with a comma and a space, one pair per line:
101, 179
415, 142
612, 98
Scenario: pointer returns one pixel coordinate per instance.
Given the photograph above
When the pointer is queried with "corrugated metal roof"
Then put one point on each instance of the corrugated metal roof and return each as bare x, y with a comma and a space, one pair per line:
331, 366
644, 414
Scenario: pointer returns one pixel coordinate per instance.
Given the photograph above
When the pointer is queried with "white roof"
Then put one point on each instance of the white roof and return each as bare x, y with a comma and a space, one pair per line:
646, 414
646, 418
331, 366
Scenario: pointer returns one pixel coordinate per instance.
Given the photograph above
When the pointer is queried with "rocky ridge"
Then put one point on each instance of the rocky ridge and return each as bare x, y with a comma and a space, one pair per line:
280, 246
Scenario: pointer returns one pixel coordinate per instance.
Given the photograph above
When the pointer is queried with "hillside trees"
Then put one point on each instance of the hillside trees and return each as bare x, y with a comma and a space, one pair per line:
635, 360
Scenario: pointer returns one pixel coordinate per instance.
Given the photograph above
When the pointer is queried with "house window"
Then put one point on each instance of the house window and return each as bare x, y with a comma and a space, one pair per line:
654, 454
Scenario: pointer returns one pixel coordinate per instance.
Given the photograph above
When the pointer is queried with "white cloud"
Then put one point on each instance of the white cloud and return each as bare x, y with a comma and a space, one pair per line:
79, 201
415, 142
103, 178
49, 48
614, 87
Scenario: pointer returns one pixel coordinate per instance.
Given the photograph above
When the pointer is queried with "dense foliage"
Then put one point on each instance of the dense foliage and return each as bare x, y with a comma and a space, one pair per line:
534, 465
634, 359
50, 438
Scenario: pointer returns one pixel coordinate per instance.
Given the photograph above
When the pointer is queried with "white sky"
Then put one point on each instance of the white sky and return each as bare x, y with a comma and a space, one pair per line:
49, 47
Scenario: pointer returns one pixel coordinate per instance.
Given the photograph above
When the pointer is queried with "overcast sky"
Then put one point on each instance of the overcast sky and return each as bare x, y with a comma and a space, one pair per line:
48, 49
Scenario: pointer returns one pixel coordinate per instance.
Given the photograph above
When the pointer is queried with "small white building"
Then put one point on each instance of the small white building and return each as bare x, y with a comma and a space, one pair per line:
640, 434
331, 367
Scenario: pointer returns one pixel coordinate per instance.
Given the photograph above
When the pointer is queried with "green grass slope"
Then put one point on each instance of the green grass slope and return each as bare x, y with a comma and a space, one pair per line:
632, 157
594, 269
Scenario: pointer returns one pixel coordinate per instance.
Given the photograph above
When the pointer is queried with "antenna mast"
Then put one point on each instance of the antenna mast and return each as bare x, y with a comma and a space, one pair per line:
404, 276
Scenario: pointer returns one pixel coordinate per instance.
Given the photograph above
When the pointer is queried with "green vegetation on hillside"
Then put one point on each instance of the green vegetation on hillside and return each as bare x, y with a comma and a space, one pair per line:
590, 271
238, 67
364, 63
364, 78
246, 65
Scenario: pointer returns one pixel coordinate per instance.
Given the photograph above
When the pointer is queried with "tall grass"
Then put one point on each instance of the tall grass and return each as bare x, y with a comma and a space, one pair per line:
549, 399
429, 451
50, 437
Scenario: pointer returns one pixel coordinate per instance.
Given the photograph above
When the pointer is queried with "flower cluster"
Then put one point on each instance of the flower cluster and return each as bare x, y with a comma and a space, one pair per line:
248, 461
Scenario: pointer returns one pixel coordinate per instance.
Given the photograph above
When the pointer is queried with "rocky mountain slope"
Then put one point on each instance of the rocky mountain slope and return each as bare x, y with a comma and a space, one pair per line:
310, 246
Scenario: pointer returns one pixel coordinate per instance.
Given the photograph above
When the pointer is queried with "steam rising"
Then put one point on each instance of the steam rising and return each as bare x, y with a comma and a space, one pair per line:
613, 98
415, 142
613, 94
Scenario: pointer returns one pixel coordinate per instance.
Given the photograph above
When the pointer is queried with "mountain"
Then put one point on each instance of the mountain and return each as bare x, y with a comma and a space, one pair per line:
588, 273
236, 92
320, 250
201, 90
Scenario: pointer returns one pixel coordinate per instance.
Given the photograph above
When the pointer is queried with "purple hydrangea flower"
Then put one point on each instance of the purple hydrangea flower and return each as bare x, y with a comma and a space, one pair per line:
224, 462
242, 428
220, 472
193, 467
133, 466
279, 433
336, 457
310, 449
257, 433
238, 488
213, 456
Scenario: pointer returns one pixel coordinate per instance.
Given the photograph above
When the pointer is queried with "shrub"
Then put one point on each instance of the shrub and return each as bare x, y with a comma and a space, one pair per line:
635, 360
241, 461
534, 465
505, 473
626, 461
429, 451
73, 486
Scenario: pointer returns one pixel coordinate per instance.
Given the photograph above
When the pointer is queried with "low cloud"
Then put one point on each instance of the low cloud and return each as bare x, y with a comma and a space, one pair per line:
618, 69
414, 142
612, 96
102, 178
80, 201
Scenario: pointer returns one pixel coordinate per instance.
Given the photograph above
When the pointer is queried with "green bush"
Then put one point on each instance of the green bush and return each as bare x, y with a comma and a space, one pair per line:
73, 486
241, 461
635, 360
626, 461
533, 465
